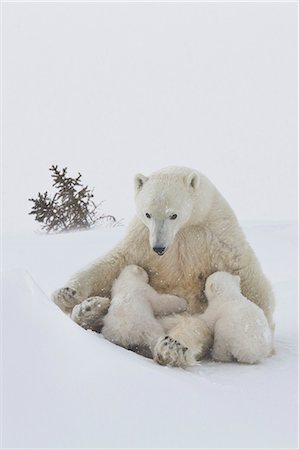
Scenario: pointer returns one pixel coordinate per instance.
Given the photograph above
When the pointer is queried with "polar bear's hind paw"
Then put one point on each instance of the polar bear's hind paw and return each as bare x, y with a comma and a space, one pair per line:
66, 298
169, 352
90, 313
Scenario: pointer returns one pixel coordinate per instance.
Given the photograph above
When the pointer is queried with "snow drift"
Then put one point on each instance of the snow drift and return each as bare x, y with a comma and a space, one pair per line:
64, 387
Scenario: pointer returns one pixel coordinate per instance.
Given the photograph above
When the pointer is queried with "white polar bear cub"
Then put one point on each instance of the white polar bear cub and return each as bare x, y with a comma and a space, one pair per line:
240, 328
130, 321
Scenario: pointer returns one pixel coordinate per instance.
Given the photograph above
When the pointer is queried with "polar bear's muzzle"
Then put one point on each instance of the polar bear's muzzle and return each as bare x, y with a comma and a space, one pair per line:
161, 235
159, 250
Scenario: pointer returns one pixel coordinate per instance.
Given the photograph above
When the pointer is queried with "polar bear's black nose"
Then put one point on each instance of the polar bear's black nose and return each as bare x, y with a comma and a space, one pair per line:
159, 250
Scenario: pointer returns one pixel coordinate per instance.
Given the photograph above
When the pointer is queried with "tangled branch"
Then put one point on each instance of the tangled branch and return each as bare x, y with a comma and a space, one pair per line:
72, 206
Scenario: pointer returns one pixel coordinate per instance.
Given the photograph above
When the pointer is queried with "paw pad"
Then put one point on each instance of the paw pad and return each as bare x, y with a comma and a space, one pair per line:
169, 351
89, 314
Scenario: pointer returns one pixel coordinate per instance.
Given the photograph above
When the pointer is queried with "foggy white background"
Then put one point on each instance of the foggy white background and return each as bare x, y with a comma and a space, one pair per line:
114, 89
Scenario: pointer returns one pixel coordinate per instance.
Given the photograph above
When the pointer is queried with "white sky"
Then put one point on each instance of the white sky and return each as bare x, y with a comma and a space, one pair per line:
114, 89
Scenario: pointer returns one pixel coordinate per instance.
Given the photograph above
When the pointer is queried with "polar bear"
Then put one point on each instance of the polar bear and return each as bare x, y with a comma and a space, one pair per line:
130, 321
240, 328
183, 232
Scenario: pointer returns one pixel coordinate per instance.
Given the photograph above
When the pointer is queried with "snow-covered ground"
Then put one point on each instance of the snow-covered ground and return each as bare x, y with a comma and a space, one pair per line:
65, 387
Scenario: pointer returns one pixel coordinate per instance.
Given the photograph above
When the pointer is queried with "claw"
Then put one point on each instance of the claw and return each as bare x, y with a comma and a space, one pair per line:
169, 351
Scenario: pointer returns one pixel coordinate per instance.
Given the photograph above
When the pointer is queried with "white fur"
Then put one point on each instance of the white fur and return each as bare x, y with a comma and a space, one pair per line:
204, 238
240, 328
130, 321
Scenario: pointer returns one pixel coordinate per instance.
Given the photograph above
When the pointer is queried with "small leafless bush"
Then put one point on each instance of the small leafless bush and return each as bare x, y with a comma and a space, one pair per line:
71, 208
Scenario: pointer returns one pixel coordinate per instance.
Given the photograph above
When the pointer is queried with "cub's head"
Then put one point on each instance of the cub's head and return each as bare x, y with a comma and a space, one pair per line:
165, 203
221, 283
133, 271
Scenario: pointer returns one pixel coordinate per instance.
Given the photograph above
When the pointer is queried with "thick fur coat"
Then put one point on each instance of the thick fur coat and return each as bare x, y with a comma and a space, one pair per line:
240, 328
183, 232
131, 321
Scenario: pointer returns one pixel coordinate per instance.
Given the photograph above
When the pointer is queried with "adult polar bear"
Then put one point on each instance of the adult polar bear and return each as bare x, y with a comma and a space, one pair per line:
184, 231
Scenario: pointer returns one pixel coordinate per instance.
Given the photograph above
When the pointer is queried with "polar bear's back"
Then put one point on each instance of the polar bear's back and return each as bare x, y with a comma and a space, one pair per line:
130, 319
244, 329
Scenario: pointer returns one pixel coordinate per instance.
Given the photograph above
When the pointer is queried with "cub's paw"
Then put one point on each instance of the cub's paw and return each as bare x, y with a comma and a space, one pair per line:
90, 313
169, 352
66, 298
179, 304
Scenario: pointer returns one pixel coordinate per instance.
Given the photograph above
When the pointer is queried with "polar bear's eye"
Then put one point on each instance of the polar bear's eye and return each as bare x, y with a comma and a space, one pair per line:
148, 215
173, 217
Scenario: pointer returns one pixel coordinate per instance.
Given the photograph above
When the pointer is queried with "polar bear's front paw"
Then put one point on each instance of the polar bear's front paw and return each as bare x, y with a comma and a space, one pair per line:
89, 314
66, 298
169, 352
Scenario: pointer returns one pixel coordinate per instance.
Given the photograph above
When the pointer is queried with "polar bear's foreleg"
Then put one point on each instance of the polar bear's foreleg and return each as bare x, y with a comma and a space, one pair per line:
96, 280
257, 288
188, 340
164, 304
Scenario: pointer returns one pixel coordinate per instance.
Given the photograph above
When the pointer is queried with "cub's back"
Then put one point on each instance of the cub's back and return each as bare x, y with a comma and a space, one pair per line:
243, 319
130, 298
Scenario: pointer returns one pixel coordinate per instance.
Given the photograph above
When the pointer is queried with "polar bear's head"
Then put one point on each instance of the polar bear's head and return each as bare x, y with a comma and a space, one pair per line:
165, 203
220, 283
133, 271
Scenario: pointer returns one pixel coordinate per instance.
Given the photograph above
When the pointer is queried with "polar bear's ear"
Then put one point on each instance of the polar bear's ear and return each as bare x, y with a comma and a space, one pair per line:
139, 182
192, 180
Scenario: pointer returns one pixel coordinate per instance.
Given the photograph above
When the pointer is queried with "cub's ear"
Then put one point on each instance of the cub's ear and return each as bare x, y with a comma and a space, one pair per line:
139, 182
138, 270
192, 180
210, 286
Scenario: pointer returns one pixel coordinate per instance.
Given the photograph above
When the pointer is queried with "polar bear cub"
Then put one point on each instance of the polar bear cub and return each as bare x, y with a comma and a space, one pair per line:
130, 321
240, 328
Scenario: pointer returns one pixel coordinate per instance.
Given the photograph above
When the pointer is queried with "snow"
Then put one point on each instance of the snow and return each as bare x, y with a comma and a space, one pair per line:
64, 387
112, 90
